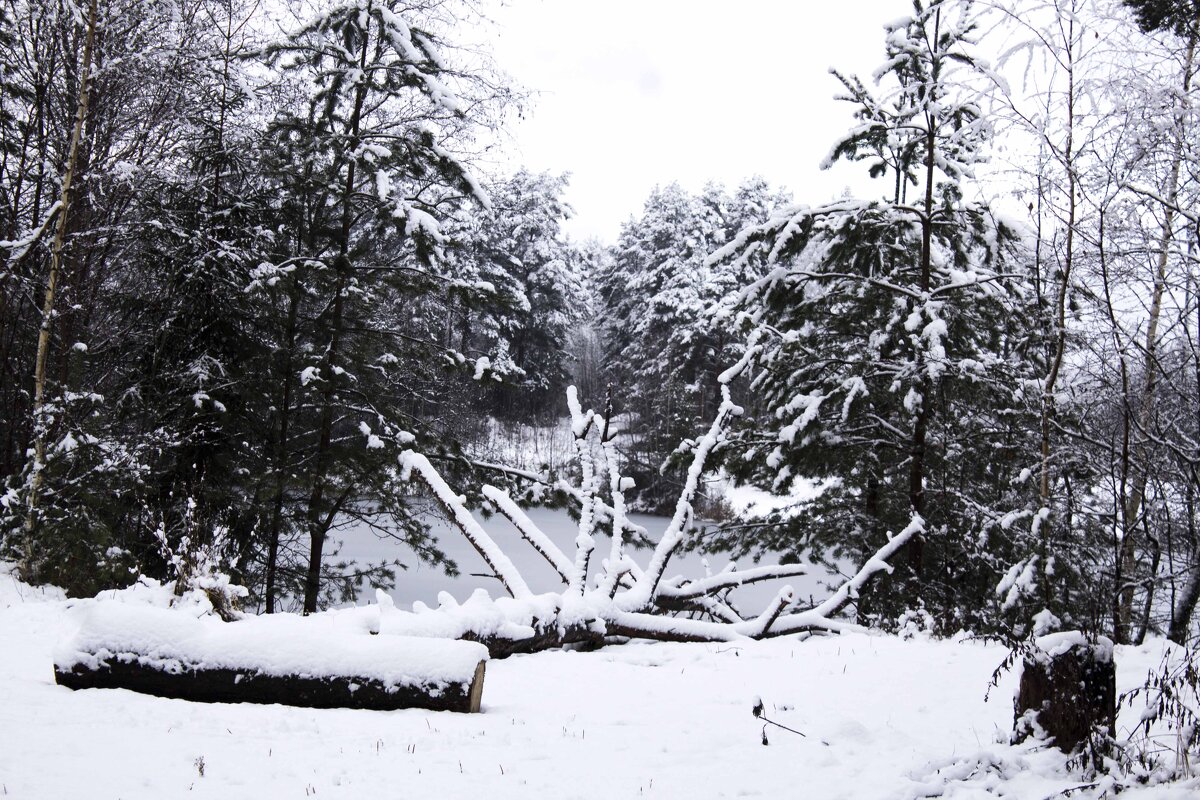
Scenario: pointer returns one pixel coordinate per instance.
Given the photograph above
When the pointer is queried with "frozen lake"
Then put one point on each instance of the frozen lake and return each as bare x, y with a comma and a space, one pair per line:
421, 582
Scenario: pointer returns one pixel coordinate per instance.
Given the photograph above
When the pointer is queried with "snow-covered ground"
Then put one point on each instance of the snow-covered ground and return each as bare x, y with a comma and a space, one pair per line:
638, 720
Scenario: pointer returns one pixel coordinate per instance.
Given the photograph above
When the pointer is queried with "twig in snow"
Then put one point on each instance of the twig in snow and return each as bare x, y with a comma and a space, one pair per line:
758, 711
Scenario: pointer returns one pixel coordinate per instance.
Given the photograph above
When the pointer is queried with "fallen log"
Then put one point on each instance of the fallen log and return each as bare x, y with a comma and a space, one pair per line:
206, 685
315, 662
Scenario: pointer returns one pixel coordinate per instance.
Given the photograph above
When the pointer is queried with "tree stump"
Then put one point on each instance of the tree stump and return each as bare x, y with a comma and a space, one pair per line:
1068, 690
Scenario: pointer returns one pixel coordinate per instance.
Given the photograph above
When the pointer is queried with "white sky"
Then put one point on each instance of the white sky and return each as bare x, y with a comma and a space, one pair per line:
634, 94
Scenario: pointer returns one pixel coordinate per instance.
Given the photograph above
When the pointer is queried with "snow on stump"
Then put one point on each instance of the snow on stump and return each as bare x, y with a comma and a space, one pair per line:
1068, 690
322, 661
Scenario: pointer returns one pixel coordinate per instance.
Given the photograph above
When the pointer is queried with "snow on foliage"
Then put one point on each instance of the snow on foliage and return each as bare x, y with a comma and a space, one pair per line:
887, 336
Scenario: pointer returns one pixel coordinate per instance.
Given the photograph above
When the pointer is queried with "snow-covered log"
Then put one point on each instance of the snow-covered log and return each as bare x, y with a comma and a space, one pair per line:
624, 599
321, 661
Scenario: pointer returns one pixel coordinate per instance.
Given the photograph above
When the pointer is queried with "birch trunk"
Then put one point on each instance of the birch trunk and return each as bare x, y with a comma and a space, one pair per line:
1145, 410
56, 254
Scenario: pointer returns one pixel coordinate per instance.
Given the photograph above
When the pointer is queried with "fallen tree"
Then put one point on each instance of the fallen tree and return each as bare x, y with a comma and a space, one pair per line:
623, 598
336, 659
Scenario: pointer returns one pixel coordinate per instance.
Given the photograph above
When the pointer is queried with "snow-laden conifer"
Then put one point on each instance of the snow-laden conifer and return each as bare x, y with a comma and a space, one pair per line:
893, 328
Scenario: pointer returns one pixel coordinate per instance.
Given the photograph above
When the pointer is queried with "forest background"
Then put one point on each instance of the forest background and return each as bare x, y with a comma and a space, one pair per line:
252, 254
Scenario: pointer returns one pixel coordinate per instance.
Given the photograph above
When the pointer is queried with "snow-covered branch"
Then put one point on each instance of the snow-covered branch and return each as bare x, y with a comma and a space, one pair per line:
644, 589
19, 248
529, 531
732, 579
455, 506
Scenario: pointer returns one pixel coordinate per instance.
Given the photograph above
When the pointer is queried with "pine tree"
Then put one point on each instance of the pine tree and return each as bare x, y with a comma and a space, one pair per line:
895, 333
364, 173
664, 347
518, 249
201, 369
1180, 16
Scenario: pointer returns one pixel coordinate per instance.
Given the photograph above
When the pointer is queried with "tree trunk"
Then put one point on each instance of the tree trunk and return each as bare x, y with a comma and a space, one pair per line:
318, 521
209, 685
1045, 528
281, 453
1148, 604
56, 254
1185, 603
1137, 493
916, 474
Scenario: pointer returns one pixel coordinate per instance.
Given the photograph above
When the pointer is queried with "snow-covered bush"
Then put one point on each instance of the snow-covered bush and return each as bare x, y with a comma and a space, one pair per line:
200, 570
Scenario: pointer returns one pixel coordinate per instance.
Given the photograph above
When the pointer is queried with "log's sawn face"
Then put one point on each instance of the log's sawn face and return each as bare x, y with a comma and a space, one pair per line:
247, 686
475, 700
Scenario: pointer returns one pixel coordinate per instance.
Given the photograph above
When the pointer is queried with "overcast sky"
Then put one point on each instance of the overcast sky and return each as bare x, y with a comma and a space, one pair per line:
634, 93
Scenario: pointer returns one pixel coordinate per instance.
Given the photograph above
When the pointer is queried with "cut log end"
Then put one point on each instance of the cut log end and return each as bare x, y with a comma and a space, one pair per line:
475, 700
